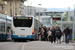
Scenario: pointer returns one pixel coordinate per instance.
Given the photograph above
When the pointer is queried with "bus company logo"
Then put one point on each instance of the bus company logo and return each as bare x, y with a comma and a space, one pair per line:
22, 29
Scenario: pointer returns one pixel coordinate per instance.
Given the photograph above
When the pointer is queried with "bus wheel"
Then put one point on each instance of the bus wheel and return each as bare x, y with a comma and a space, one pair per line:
15, 40
32, 40
24, 40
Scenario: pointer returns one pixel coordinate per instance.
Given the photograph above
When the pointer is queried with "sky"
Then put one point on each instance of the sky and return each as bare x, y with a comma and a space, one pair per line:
51, 3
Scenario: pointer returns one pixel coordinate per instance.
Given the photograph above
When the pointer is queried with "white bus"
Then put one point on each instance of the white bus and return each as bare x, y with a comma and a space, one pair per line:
23, 28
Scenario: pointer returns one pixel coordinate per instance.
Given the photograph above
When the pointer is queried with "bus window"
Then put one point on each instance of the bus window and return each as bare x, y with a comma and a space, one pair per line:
23, 22
8, 29
2, 27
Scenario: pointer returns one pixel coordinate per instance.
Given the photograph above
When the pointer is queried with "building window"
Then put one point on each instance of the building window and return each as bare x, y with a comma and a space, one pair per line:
44, 23
3, 7
15, 11
10, 4
10, 12
48, 19
44, 19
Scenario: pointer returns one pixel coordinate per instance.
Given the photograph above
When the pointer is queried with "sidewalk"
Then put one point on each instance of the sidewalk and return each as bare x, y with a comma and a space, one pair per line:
45, 45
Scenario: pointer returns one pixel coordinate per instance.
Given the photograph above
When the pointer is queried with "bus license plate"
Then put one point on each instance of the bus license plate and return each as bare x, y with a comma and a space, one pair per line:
22, 35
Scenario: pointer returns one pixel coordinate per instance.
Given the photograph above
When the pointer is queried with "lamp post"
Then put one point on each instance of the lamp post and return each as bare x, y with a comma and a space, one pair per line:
51, 19
74, 23
39, 11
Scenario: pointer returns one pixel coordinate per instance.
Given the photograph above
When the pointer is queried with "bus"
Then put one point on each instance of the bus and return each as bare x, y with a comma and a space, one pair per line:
5, 27
25, 28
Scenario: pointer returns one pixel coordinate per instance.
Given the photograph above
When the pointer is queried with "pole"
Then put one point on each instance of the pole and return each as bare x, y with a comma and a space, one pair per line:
39, 12
68, 14
13, 7
74, 24
61, 23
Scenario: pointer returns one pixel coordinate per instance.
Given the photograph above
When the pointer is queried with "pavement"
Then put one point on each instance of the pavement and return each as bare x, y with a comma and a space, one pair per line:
45, 45
35, 45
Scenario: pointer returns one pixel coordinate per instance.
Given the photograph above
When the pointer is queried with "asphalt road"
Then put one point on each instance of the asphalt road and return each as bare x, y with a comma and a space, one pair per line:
45, 45
10, 45
35, 45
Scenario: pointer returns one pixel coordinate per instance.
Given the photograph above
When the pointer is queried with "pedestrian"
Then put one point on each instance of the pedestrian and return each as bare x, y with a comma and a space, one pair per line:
67, 32
49, 34
45, 33
58, 35
39, 34
42, 33
53, 38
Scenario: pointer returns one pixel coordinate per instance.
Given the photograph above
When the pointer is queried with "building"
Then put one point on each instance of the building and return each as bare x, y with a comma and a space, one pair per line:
49, 13
2, 6
70, 15
18, 7
45, 20
30, 10
46, 17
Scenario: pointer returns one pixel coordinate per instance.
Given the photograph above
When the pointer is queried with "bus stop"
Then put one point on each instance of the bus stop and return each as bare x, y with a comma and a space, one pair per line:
71, 27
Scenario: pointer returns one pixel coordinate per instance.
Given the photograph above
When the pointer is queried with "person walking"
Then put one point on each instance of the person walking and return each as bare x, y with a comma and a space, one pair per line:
53, 38
45, 33
67, 32
58, 35
42, 34
39, 34
49, 34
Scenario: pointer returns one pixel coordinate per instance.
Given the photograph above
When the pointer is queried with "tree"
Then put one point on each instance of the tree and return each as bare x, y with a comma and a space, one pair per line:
64, 19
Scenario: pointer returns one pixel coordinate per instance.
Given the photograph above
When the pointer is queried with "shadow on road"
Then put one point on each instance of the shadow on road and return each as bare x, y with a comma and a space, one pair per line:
5, 40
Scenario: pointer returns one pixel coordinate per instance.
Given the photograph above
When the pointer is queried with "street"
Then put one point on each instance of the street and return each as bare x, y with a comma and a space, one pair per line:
11, 45
35, 45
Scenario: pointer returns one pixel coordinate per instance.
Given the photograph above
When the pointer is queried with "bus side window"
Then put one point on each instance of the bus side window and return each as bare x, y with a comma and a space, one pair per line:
8, 28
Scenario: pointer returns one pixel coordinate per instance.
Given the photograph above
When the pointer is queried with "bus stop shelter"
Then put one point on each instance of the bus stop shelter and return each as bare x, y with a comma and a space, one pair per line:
71, 27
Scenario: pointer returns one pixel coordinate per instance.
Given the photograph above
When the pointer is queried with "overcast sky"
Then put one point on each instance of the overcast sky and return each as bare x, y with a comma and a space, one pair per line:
51, 3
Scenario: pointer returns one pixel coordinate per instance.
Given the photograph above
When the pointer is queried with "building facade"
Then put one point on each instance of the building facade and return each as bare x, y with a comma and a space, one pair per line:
46, 20
18, 7
30, 10
46, 17
49, 13
2, 6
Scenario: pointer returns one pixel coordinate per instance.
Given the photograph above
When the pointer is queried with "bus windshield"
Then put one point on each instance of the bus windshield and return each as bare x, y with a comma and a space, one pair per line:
22, 21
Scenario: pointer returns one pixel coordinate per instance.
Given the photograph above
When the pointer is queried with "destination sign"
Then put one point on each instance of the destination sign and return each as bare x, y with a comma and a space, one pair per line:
22, 18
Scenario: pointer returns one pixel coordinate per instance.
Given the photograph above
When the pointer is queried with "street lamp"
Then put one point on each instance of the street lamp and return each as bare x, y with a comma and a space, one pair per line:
39, 11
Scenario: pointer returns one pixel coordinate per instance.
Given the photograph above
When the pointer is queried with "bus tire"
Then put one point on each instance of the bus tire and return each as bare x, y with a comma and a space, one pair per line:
15, 40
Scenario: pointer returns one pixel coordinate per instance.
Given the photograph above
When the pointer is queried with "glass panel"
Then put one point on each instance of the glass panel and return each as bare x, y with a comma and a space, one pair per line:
2, 26
70, 27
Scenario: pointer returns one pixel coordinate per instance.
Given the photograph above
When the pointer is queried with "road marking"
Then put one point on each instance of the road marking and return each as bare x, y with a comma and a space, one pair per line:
23, 46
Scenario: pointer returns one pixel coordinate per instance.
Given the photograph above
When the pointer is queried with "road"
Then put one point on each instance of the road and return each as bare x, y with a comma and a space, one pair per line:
45, 45
10, 45
35, 45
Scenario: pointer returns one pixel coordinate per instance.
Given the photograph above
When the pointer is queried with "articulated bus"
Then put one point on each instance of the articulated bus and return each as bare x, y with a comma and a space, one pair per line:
23, 28
5, 27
